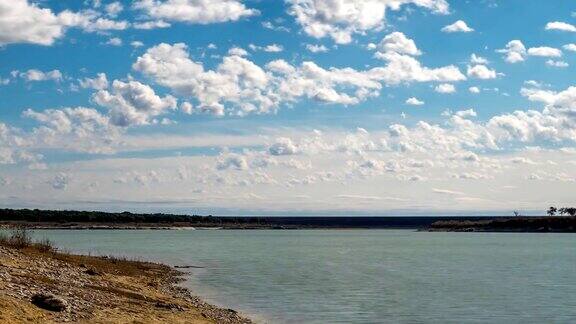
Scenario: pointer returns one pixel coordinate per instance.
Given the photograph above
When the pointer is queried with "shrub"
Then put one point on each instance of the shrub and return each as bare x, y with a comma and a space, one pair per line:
20, 238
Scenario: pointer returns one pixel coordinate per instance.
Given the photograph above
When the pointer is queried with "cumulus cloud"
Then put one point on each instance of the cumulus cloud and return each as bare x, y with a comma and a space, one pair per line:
340, 19
113, 9
136, 44
414, 101
283, 146
236, 80
272, 48
514, 51
474, 90
25, 22
480, 71
397, 42
114, 41
245, 87
445, 88
75, 129
152, 24
458, 27
100, 82
570, 47
562, 26
475, 59
555, 123
237, 51
544, 51
403, 68
195, 11
133, 103
34, 75
316, 48
465, 113
557, 64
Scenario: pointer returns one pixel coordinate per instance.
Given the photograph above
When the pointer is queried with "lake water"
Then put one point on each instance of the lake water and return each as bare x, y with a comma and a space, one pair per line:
362, 276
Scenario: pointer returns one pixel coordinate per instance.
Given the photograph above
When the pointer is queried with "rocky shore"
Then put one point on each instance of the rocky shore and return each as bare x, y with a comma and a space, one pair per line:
39, 285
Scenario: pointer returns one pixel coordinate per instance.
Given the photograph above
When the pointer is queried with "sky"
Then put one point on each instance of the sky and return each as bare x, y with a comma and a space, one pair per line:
288, 107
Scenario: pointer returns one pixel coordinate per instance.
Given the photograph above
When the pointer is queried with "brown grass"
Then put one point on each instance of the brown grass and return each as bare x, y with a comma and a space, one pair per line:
20, 238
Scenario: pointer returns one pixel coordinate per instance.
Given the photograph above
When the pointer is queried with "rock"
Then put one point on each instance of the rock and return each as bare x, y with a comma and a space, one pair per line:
92, 272
49, 302
170, 306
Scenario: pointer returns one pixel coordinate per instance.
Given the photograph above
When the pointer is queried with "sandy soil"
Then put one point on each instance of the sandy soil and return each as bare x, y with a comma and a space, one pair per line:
98, 290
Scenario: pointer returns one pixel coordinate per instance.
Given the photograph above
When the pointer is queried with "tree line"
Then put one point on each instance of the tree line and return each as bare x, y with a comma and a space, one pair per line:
553, 211
72, 216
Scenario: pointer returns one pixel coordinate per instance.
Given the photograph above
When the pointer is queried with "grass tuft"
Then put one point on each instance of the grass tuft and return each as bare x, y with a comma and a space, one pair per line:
20, 238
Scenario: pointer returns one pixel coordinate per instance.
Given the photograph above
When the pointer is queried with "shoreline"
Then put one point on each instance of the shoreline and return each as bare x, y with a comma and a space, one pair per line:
97, 289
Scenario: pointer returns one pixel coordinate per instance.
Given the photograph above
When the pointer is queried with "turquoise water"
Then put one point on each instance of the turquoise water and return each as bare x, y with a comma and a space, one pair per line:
362, 276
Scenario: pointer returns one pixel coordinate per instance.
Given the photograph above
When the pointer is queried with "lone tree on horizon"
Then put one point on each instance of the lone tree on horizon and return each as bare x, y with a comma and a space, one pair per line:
552, 211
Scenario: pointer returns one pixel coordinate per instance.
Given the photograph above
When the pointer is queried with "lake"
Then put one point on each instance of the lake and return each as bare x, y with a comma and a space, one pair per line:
360, 276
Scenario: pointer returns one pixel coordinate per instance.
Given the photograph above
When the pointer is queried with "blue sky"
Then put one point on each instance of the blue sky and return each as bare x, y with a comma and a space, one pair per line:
288, 107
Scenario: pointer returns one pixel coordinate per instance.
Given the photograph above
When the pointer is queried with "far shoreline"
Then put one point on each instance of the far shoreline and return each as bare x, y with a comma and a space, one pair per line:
95, 220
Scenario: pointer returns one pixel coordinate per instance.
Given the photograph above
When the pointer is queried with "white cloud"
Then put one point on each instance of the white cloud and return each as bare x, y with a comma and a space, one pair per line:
37, 75
562, 26
235, 80
237, 51
136, 44
397, 42
77, 129
558, 64
114, 41
273, 48
340, 19
515, 51
445, 88
466, 113
283, 146
316, 48
98, 83
414, 101
195, 11
475, 59
404, 68
474, 90
153, 24
480, 71
458, 27
21, 22
24, 22
248, 88
544, 51
570, 47
133, 103
113, 9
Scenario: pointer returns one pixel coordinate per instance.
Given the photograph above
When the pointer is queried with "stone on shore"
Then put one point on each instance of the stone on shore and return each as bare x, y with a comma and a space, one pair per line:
49, 302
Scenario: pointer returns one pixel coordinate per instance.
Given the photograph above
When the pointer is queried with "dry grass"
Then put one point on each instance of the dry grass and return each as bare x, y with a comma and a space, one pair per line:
20, 238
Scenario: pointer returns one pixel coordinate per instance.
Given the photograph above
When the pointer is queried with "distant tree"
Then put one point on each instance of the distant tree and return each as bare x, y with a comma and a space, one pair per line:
552, 211
562, 211
571, 211
516, 213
